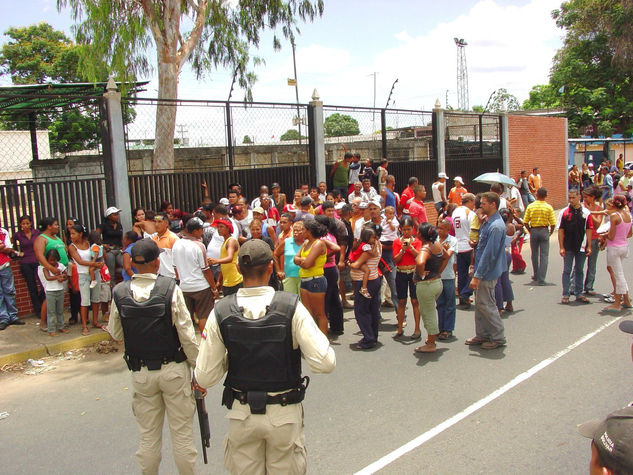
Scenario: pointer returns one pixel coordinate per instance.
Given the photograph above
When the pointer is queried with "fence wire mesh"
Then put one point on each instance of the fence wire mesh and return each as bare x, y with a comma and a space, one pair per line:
353, 129
472, 135
71, 134
409, 135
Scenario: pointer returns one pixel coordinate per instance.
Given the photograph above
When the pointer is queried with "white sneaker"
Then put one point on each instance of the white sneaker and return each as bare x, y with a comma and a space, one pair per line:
93, 284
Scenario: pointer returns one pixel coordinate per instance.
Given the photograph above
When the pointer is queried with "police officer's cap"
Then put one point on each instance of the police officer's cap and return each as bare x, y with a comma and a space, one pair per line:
145, 251
254, 252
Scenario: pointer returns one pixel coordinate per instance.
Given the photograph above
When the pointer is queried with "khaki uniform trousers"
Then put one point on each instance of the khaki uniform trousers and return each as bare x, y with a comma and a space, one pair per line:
271, 443
156, 392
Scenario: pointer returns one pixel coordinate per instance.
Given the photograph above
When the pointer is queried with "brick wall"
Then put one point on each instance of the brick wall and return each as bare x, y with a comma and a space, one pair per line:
22, 294
540, 142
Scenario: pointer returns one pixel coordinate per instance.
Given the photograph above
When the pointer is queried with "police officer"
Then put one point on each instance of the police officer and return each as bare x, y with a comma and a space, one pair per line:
258, 336
150, 315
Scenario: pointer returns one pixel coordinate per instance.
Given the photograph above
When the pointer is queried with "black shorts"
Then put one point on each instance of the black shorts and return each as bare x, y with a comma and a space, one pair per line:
405, 285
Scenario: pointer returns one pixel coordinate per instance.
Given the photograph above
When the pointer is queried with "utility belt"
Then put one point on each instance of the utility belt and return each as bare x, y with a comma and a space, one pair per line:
258, 400
135, 364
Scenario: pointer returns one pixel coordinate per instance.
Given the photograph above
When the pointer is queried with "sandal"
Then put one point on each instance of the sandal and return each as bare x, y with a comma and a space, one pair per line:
416, 336
365, 293
97, 325
85, 331
582, 299
612, 308
427, 348
445, 335
398, 335
565, 300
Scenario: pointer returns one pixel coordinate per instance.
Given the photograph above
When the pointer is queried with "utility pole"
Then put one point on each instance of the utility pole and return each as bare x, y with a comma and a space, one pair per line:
294, 63
373, 116
462, 74
446, 103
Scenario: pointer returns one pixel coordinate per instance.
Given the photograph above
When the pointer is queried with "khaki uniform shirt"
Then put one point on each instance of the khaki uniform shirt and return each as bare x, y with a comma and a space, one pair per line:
314, 345
142, 285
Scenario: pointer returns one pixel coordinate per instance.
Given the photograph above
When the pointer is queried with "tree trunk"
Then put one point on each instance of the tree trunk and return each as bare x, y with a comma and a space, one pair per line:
165, 117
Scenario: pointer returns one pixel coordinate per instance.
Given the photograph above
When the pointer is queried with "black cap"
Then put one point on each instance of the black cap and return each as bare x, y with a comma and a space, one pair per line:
626, 326
145, 251
254, 253
613, 438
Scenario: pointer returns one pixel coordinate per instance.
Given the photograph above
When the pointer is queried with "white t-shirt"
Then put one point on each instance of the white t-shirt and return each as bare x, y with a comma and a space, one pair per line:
358, 226
387, 233
190, 261
51, 285
462, 217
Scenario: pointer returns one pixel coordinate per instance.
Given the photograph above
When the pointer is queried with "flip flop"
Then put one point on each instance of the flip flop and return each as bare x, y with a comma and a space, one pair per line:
85, 331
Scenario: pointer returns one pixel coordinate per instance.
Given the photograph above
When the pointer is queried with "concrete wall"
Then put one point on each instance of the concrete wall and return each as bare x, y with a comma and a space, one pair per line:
537, 141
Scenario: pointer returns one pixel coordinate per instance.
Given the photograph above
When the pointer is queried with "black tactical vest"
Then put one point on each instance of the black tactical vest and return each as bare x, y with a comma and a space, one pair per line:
148, 331
260, 352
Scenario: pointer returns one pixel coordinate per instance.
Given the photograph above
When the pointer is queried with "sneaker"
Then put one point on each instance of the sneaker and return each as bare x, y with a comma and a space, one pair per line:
93, 284
17, 321
609, 299
3, 325
491, 345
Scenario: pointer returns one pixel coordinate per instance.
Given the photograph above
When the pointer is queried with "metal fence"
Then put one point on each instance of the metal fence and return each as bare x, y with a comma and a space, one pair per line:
83, 199
472, 136
50, 141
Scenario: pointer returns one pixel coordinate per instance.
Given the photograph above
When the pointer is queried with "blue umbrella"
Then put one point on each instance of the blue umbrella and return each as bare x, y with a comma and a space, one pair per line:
495, 177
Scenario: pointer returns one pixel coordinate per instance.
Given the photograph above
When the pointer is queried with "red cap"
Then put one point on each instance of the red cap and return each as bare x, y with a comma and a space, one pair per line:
226, 222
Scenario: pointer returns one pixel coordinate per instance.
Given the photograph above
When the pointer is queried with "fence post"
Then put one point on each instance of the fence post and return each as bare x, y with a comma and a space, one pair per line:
316, 139
505, 142
229, 138
383, 131
116, 140
107, 150
439, 137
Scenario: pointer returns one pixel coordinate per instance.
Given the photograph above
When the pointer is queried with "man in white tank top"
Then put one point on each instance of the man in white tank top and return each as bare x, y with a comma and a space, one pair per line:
439, 190
462, 217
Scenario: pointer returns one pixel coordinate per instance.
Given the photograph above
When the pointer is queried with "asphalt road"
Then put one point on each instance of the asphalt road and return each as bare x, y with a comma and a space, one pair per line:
460, 410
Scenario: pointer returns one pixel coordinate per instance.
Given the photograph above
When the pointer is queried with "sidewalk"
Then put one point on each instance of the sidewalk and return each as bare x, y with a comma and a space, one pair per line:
21, 342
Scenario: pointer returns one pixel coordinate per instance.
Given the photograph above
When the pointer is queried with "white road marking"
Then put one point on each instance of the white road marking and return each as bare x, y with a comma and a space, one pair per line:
438, 429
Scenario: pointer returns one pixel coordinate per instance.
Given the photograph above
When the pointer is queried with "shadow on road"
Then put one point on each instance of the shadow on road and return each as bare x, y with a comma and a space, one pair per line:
424, 358
496, 354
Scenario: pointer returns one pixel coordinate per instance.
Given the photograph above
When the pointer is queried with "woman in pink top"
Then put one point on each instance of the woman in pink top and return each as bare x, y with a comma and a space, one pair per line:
617, 250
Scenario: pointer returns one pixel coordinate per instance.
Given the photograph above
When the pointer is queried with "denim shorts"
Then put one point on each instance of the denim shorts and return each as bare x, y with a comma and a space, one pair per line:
314, 285
404, 285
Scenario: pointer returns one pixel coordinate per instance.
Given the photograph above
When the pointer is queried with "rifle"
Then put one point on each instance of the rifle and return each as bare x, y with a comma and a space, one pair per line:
203, 420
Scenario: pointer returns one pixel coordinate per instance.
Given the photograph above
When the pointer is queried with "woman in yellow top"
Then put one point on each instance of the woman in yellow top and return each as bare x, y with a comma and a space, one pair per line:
311, 259
229, 275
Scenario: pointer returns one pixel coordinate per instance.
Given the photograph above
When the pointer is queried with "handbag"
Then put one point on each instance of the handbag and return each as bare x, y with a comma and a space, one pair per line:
105, 274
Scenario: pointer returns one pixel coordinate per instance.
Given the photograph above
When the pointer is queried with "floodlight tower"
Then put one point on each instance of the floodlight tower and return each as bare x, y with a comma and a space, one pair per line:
462, 75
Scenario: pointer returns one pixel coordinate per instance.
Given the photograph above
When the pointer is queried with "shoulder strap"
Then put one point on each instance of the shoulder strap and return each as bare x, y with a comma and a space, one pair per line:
120, 290
225, 307
164, 285
284, 303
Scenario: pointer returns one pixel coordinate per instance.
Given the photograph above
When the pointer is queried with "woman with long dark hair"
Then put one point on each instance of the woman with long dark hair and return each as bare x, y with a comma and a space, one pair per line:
23, 241
333, 305
429, 285
311, 259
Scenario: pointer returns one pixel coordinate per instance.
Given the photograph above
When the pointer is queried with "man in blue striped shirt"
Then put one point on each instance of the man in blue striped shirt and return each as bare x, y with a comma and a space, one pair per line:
490, 263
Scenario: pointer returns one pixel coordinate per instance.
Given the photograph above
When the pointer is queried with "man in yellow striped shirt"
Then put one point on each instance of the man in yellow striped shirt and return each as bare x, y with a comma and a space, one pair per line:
540, 222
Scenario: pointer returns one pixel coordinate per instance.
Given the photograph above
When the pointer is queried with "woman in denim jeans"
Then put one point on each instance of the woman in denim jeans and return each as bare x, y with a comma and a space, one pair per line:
311, 259
333, 305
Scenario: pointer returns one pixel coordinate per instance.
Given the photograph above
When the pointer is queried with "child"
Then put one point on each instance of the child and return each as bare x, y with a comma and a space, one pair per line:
366, 244
54, 288
96, 250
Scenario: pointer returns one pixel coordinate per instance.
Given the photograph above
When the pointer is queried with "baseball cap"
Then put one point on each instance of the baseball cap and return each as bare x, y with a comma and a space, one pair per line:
374, 203
226, 222
254, 253
145, 251
339, 205
259, 209
194, 223
224, 201
626, 326
363, 205
613, 438
442, 175
111, 210
459, 179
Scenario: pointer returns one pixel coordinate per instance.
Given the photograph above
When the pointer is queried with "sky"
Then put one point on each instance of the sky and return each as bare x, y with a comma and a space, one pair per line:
511, 44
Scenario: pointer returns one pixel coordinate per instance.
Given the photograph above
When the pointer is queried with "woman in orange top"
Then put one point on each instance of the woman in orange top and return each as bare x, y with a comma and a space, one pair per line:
456, 193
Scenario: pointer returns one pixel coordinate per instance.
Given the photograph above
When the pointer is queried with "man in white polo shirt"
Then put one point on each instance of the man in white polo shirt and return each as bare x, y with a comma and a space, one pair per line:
196, 280
462, 218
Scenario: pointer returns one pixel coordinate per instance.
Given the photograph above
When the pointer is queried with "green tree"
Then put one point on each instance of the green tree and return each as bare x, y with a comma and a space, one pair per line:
501, 100
39, 54
591, 77
247, 140
337, 125
292, 134
123, 32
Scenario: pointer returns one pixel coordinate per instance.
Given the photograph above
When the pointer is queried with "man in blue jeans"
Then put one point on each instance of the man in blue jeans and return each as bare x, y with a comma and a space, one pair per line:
574, 241
490, 263
8, 308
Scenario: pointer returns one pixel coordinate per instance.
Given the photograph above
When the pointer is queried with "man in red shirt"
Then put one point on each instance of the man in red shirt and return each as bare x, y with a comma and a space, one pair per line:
417, 211
408, 193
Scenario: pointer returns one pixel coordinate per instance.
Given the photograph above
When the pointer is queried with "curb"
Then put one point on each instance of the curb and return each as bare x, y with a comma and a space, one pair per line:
49, 350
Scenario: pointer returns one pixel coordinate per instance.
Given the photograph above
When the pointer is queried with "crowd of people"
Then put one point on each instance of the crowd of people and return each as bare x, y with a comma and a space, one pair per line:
370, 240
